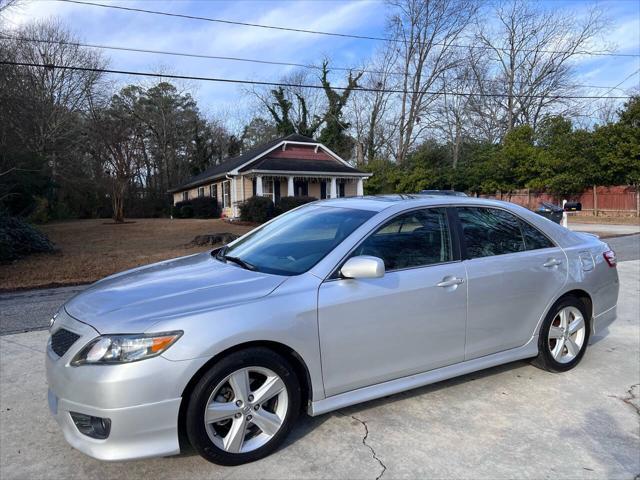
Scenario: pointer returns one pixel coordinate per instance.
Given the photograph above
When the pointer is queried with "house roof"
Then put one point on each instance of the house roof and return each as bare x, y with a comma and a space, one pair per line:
299, 164
276, 164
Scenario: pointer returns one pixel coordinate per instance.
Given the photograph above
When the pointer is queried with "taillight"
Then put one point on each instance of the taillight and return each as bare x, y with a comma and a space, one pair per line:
610, 257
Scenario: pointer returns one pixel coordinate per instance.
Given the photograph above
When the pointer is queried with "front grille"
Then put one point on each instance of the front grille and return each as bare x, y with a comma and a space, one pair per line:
62, 340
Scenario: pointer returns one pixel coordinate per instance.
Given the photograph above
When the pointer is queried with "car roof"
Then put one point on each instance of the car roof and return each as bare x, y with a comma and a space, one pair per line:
378, 203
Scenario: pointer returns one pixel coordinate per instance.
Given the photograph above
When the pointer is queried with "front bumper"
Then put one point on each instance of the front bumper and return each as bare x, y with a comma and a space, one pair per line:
142, 431
142, 399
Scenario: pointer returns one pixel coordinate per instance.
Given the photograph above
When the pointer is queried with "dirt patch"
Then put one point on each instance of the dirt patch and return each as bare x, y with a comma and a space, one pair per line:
213, 239
88, 250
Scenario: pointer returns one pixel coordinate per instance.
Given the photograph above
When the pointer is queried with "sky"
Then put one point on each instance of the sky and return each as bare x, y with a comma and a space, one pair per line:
363, 17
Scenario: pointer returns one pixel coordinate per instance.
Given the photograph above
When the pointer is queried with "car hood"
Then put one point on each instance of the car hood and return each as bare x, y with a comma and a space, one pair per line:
134, 300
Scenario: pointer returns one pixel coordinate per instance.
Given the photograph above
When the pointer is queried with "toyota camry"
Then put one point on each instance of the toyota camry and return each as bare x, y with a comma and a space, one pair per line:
331, 304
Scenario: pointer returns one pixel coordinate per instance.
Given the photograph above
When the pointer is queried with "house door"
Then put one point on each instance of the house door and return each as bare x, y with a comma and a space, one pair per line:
301, 188
276, 191
323, 190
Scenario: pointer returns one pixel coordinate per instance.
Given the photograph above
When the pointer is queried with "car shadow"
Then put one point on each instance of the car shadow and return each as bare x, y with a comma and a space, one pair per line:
306, 424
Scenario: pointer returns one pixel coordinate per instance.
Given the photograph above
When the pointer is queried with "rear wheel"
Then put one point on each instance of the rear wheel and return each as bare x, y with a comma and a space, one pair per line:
564, 336
243, 408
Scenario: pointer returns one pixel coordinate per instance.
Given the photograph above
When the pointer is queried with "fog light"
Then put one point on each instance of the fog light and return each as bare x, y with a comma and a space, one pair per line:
94, 427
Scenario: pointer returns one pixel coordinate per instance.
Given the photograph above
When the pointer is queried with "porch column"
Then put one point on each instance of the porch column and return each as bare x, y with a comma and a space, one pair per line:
234, 198
360, 188
290, 191
259, 185
334, 190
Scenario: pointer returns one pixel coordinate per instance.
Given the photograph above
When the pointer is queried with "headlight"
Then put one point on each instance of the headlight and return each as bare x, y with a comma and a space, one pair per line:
110, 349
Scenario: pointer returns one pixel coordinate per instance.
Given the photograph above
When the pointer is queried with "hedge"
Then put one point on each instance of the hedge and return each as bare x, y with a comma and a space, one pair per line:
289, 203
18, 238
257, 210
201, 207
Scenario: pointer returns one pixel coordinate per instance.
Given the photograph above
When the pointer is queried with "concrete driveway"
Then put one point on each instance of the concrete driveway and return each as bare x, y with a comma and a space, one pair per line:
510, 421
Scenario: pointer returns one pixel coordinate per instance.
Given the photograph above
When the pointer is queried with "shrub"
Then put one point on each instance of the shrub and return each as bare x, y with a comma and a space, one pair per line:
257, 209
40, 213
205, 207
18, 238
289, 203
201, 207
186, 211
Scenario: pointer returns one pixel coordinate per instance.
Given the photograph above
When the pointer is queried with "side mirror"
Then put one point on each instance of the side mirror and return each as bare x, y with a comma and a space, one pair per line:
363, 266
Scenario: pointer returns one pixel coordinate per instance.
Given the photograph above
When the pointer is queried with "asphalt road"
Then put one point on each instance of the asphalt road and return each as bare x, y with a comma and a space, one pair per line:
32, 309
513, 421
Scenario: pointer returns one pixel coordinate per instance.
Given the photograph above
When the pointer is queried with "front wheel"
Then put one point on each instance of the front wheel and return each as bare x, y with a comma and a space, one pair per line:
243, 407
563, 337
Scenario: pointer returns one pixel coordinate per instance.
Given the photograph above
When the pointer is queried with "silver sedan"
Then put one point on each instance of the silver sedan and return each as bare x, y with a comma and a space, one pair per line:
331, 304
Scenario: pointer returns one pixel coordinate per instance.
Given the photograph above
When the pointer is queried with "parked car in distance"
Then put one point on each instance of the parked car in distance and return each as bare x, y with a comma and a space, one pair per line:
331, 304
443, 192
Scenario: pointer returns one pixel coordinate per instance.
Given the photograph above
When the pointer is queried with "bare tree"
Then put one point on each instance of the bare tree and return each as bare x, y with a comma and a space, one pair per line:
370, 107
454, 111
425, 33
117, 142
47, 100
531, 52
6, 5
294, 109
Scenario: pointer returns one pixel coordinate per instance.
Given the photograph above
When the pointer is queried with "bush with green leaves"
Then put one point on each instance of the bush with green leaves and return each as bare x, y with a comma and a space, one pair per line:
289, 203
19, 238
257, 210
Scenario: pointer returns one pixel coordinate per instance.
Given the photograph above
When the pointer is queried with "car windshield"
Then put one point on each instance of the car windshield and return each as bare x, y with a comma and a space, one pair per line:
295, 241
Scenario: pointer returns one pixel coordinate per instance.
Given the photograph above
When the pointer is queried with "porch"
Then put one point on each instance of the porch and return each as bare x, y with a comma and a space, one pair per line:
320, 187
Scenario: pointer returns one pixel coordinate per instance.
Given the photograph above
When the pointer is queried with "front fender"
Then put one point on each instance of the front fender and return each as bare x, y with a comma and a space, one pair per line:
287, 316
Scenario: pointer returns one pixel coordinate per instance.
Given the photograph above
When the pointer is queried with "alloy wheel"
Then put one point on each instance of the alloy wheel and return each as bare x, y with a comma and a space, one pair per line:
246, 409
567, 335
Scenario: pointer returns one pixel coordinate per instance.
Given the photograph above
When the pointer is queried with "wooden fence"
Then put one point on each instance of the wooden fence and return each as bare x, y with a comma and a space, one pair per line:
610, 201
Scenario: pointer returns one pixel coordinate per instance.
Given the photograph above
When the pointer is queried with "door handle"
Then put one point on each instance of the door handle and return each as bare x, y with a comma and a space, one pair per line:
552, 262
450, 282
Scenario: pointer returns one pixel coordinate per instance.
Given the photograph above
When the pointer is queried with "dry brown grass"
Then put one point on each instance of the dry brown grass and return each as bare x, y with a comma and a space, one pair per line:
604, 220
91, 249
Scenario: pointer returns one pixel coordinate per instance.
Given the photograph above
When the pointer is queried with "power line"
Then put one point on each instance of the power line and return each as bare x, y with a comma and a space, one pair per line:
51, 66
318, 32
625, 79
241, 59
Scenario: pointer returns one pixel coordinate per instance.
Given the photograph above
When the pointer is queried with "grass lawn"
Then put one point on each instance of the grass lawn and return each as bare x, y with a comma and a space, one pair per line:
604, 220
91, 249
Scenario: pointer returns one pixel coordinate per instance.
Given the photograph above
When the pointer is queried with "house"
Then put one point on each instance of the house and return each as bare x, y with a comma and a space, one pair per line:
294, 165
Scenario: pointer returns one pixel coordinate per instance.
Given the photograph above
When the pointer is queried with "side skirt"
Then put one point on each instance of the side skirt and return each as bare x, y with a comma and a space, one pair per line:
530, 349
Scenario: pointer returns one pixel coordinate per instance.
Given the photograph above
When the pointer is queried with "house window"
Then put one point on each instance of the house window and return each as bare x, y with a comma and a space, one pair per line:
185, 196
200, 192
213, 191
226, 194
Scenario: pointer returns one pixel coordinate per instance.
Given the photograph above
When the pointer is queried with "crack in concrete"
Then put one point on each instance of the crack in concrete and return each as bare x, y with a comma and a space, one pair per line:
630, 398
373, 452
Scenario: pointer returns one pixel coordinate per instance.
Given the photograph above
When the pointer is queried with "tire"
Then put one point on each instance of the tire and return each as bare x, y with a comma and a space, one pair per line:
559, 350
242, 432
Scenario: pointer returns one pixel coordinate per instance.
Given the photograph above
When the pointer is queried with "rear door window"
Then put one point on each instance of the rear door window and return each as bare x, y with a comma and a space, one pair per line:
489, 231
534, 239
